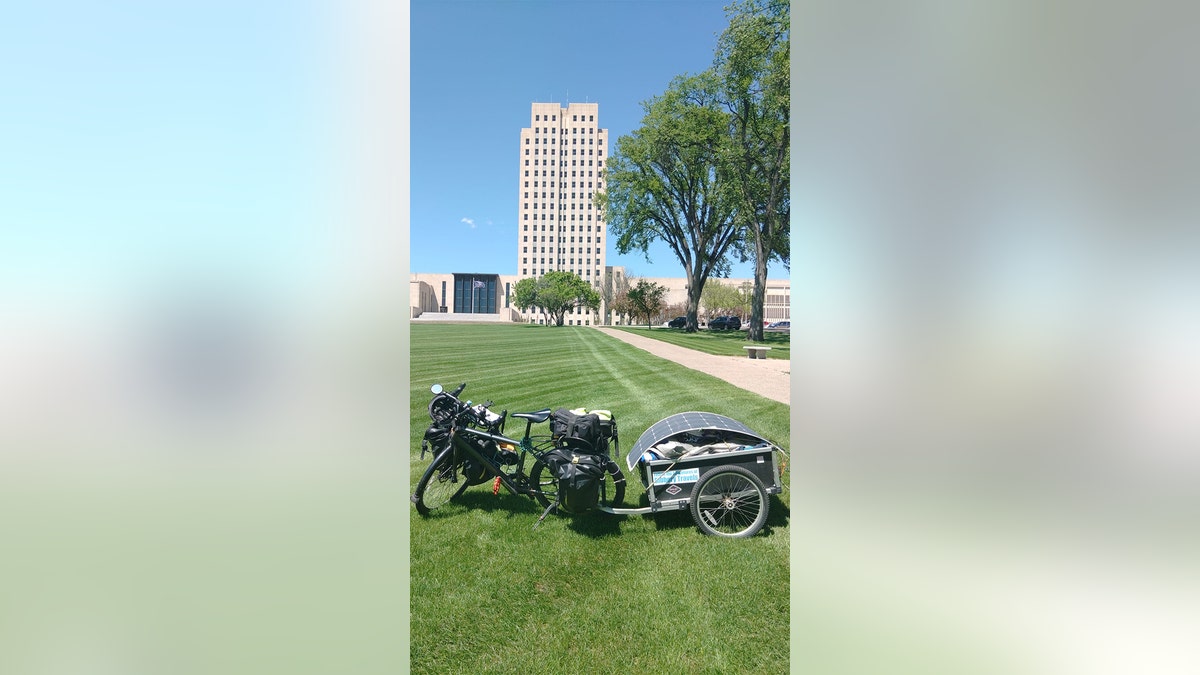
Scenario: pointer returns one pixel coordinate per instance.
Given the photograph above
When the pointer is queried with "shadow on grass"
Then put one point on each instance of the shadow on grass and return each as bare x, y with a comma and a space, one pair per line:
597, 524
778, 515
480, 497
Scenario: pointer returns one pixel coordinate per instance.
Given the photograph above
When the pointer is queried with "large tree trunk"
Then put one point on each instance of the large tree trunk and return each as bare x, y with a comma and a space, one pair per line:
758, 299
693, 304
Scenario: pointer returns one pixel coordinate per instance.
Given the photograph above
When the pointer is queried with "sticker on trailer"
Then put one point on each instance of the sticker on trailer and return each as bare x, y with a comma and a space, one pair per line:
678, 476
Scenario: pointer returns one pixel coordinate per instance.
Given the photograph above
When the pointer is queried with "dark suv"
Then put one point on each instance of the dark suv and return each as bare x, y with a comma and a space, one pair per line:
725, 323
677, 322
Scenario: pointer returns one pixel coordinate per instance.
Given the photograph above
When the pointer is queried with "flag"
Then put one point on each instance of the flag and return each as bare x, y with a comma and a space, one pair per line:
478, 284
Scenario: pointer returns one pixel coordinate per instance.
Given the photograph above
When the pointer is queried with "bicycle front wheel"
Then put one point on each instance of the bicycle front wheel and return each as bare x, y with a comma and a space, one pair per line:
442, 481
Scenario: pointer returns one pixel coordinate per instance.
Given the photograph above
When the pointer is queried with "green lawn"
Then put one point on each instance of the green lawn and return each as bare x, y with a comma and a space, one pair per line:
593, 593
723, 342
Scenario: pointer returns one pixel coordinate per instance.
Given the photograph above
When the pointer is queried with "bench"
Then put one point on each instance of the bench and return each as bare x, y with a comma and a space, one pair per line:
756, 351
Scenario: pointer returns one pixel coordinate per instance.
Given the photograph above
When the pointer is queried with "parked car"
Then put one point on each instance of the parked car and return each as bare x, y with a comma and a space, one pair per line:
677, 322
780, 325
725, 323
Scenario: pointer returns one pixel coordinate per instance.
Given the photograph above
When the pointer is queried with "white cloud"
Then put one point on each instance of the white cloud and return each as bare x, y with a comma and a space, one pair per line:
468, 221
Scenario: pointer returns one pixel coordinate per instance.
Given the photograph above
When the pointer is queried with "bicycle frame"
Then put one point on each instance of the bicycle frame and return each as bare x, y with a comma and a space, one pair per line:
471, 449
516, 482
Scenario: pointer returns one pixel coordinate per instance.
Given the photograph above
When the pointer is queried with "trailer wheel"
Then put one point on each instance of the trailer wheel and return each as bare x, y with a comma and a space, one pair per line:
729, 501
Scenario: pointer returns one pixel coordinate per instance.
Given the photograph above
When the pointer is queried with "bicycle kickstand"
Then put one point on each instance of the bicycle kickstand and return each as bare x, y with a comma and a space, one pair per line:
545, 513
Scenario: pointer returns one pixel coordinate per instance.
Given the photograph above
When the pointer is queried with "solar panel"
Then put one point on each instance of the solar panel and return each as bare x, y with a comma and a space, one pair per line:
681, 423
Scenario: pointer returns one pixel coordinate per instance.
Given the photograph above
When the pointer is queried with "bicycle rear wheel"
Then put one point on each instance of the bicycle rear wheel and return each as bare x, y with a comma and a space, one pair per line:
612, 492
441, 482
545, 484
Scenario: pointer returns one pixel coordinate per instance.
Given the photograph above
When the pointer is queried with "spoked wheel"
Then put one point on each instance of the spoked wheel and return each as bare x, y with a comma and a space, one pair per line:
729, 501
442, 481
545, 485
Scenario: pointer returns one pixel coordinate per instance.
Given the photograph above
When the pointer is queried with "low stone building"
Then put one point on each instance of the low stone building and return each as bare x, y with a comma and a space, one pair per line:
478, 296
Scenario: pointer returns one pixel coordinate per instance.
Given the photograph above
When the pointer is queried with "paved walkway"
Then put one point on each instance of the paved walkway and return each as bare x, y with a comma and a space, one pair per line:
771, 378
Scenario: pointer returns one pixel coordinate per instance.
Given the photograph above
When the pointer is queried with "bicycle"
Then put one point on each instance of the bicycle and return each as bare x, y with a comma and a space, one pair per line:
469, 448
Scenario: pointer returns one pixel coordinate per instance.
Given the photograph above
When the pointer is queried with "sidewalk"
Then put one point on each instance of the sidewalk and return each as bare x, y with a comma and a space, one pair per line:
767, 377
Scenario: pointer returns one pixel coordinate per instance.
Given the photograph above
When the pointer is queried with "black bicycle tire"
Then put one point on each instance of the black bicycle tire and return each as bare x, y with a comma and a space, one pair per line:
614, 471
546, 497
437, 464
543, 496
729, 508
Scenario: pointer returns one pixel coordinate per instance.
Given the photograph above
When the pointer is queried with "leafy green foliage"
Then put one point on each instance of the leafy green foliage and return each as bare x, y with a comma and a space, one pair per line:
646, 299
721, 299
663, 183
752, 65
555, 293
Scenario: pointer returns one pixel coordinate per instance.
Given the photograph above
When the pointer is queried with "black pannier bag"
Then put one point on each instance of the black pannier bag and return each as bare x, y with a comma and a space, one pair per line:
590, 427
436, 438
579, 475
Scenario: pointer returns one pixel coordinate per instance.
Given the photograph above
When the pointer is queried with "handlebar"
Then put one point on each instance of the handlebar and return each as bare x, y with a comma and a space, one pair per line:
477, 413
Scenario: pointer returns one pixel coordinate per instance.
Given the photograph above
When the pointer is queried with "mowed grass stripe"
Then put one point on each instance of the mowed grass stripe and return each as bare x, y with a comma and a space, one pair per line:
592, 592
725, 343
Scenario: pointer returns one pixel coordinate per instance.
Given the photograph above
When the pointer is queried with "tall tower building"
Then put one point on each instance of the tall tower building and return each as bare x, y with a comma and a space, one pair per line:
562, 153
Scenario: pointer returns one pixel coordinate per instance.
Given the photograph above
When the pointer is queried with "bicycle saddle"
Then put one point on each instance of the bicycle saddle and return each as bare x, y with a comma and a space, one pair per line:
536, 417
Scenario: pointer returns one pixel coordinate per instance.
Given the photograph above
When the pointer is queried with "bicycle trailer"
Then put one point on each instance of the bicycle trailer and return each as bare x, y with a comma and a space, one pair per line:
716, 466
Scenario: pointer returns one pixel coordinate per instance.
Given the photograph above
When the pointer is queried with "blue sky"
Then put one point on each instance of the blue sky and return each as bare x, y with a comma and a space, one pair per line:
470, 93
144, 141
147, 145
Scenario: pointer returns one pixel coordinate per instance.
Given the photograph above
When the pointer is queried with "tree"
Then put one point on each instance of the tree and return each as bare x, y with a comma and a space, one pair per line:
673, 310
555, 293
720, 299
613, 292
663, 183
752, 64
620, 304
646, 299
524, 294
